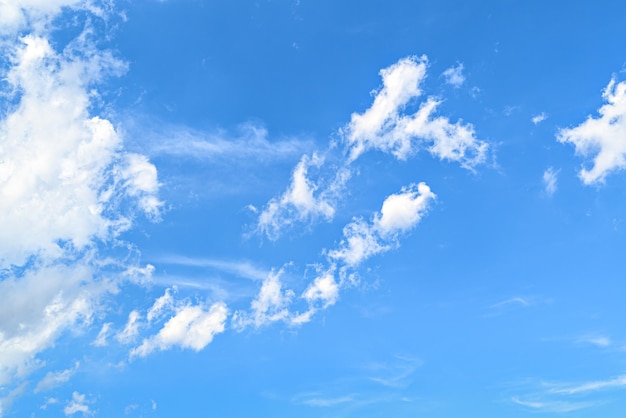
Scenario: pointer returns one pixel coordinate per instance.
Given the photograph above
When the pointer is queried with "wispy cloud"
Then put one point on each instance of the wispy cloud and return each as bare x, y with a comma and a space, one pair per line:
454, 75
553, 406
239, 268
250, 144
550, 178
537, 119
54, 379
617, 382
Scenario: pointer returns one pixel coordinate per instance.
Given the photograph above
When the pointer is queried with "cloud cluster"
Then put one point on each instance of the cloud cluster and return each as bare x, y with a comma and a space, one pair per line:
399, 213
68, 188
385, 126
602, 138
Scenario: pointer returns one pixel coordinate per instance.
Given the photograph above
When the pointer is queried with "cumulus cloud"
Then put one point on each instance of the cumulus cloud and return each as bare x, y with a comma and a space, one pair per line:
550, 178
454, 75
192, 327
385, 127
68, 188
400, 213
603, 138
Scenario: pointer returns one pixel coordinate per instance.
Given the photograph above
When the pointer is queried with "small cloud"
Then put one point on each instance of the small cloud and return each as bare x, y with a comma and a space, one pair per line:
550, 177
76, 405
54, 379
597, 340
552, 406
454, 76
537, 119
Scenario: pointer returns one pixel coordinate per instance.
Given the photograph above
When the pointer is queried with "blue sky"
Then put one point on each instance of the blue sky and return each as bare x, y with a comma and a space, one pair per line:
312, 208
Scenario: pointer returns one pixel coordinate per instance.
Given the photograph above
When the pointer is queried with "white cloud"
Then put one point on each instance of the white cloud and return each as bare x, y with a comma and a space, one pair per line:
67, 186
161, 306
537, 119
251, 143
454, 76
550, 177
400, 213
617, 382
103, 335
192, 326
302, 201
131, 330
384, 127
324, 290
552, 406
602, 138
78, 404
270, 305
242, 268
54, 379
37, 308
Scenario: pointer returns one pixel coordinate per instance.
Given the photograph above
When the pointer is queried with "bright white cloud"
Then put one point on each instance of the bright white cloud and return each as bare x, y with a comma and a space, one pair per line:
54, 379
552, 406
454, 76
192, 326
66, 184
603, 138
78, 404
324, 290
400, 213
550, 178
384, 127
301, 201
161, 306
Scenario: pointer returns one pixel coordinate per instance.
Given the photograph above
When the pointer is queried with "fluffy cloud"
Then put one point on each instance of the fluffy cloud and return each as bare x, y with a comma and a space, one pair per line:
400, 213
602, 138
192, 326
67, 186
384, 127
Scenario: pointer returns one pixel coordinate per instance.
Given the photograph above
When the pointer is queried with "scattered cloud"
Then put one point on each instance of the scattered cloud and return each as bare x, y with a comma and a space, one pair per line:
454, 75
270, 305
323, 402
603, 138
550, 178
537, 119
78, 404
303, 201
103, 335
131, 330
190, 327
400, 213
54, 379
385, 128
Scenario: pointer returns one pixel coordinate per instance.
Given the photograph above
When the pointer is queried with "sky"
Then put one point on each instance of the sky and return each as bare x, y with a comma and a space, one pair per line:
296, 208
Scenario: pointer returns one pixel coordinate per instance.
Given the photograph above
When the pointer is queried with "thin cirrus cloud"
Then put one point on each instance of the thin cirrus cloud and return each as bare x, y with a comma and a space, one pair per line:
601, 138
550, 180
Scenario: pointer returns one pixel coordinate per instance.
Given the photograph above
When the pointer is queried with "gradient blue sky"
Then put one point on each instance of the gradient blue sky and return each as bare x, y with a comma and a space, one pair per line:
298, 208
